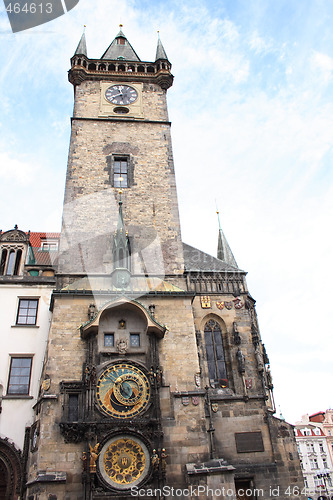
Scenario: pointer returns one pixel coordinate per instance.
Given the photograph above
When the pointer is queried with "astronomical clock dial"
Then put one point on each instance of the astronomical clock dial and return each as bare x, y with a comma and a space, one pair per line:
123, 391
124, 462
121, 94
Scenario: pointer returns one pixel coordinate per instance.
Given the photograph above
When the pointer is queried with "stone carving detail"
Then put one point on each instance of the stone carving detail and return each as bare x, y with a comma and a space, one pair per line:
73, 433
122, 346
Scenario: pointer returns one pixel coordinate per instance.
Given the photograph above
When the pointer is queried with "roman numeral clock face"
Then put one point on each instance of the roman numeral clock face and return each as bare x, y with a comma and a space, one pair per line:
121, 94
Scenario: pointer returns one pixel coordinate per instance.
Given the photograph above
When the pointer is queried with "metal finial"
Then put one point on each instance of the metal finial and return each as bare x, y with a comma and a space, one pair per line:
218, 218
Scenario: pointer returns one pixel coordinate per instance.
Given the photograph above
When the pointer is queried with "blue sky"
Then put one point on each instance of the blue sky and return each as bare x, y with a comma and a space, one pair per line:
252, 120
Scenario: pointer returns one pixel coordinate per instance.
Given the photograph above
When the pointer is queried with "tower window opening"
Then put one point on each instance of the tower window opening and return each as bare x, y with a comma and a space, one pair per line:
17, 262
3, 261
121, 41
92, 66
120, 172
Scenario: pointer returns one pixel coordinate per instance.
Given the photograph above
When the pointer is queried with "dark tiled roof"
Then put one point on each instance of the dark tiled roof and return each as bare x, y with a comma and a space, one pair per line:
196, 260
82, 47
160, 52
119, 51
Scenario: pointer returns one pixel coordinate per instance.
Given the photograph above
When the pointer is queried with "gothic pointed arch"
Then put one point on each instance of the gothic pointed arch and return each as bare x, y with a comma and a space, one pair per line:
215, 350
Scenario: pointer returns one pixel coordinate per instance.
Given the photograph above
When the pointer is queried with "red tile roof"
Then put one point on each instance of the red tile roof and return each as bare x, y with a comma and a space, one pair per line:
37, 238
44, 257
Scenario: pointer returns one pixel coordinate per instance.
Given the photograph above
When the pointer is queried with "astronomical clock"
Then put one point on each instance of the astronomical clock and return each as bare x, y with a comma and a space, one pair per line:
114, 410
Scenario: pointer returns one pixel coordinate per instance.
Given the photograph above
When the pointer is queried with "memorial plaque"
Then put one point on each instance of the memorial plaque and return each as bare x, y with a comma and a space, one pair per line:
247, 442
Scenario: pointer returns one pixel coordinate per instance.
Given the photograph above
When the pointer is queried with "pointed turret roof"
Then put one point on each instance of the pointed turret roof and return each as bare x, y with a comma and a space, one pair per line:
120, 234
121, 246
224, 252
120, 48
160, 52
82, 47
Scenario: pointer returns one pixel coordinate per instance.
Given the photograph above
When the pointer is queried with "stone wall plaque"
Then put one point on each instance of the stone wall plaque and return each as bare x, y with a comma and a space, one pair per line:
247, 442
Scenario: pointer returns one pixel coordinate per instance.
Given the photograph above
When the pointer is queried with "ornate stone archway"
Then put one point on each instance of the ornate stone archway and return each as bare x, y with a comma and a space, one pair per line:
10, 470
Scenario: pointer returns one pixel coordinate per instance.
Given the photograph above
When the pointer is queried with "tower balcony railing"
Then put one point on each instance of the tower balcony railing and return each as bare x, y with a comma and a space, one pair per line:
219, 283
83, 68
119, 66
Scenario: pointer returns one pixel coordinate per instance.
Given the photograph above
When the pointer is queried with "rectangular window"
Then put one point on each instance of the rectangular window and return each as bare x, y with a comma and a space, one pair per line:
135, 339
27, 312
313, 463
49, 246
120, 172
73, 407
19, 376
108, 339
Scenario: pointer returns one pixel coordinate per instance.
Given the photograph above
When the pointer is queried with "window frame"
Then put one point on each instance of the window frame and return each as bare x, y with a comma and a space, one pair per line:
10, 375
28, 299
132, 336
216, 359
109, 335
111, 168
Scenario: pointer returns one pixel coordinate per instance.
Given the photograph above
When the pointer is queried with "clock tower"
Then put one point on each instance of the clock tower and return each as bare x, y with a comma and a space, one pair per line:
120, 140
156, 379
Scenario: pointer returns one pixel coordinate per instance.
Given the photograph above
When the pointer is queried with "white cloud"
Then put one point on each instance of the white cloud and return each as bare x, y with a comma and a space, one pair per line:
17, 170
324, 64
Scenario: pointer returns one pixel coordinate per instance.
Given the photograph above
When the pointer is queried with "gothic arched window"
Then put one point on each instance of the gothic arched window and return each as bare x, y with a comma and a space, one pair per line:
215, 354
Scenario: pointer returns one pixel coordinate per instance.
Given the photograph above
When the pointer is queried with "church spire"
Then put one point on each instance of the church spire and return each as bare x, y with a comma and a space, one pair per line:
160, 52
82, 47
224, 252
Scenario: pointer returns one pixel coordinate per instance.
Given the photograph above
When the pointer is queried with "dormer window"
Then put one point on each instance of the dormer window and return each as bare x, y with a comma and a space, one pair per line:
121, 41
10, 261
49, 246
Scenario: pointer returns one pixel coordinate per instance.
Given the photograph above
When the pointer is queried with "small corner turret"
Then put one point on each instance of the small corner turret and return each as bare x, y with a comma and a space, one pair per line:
224, 251
120, 61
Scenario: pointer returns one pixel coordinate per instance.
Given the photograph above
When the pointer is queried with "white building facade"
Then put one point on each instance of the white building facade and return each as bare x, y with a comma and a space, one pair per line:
315, 457
27, 262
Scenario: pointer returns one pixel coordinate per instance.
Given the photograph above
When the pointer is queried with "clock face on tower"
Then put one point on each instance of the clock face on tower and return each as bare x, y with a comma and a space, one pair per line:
121, 94
123, 391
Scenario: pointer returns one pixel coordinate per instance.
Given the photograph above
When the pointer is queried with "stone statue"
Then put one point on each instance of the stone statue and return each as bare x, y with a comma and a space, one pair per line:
164, 456
84, 459
260, 359
241, 361
155, 461
269, 378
